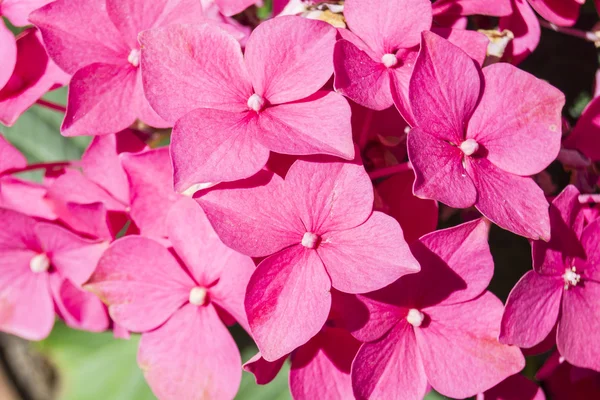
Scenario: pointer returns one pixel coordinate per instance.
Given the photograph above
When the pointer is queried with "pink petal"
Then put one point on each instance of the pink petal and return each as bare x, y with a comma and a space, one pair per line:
151, 178
531, 309
475, 44
329, 196
445, 79
131, 16
252, 217
319, 124
439, 172
461, 354
321, 368
26, 197
8, 54
190, 66
18, 232
559, 12
17, 11
298, 65
232, 7
91, 219
210, 146
287, 301
579, 326
77, 35
523, 210
100, 100
584, 135
10, 157
192, 354
141, 282
382, 29
523, 23
73, 256
472, 7
516, 387
590, 240
364, 259
360, 78
390, 368
518, 120
263, 370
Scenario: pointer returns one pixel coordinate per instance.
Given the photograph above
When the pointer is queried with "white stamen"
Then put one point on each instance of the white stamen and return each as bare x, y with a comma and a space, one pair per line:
389, 60
39, 263
134, 58
469, 147
571, 277
310, 240
255, 102
415, 317
198, 296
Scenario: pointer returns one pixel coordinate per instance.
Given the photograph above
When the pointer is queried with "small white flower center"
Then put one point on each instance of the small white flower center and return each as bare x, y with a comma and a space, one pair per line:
39, 263
389, 60
571, 277
256, 102
415, 317
469, 147
134, 58
198, 296
310, 240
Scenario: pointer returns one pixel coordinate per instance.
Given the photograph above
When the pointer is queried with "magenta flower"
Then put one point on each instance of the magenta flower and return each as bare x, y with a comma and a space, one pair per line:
585, 135
479, 134
438, 326
563, 288
319, 231
447, 8
564, 381
516, 387
96, 42
41, 268
178, 303
233, 111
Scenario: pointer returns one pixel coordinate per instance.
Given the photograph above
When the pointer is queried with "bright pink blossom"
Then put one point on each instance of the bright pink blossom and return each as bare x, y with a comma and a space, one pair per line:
479, 135
41, 268
232, 109
96, 42
563, 288
178, 303
438, 326
319, 231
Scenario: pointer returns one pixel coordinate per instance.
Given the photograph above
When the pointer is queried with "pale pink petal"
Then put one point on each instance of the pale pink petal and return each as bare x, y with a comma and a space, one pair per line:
141, 282
445, 79
368, 257
79, 34
263, 370
523, 209
17, 11
144, 110
319, 124
232, 7
73, 256
151, 178
252, 217
329, 195
439, 171
523, 23
531, 309
385, 30
360, 78
390, 368
8, 54
287, 301
190, 66
559, 12
10, 157
210, 146
460, 350
26, 197
18, 232
191, 355
472, 7
518, 120
516, 387
578, 331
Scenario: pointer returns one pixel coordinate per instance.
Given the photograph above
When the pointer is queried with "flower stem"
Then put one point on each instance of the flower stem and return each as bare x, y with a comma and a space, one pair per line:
52, 106
387, 171
585, 35
46, 166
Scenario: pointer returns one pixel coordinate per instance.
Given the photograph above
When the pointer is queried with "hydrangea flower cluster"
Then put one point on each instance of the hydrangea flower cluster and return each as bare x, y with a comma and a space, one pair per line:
309, 158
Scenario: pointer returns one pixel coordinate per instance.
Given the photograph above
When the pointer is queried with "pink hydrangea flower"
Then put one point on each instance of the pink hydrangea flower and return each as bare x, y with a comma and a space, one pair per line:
318, 231
516, 387
585, 135
178, 303
448, 8
41, 268
479, 134
233, 110
564, 381
96, 42
438, 326
563, 288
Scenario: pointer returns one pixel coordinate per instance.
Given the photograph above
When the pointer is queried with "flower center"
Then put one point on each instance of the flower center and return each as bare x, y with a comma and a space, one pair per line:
415, 317
571, 277
134, 58
256, 102
469, 147
310, 240
198, 296
389, 60
39, 263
